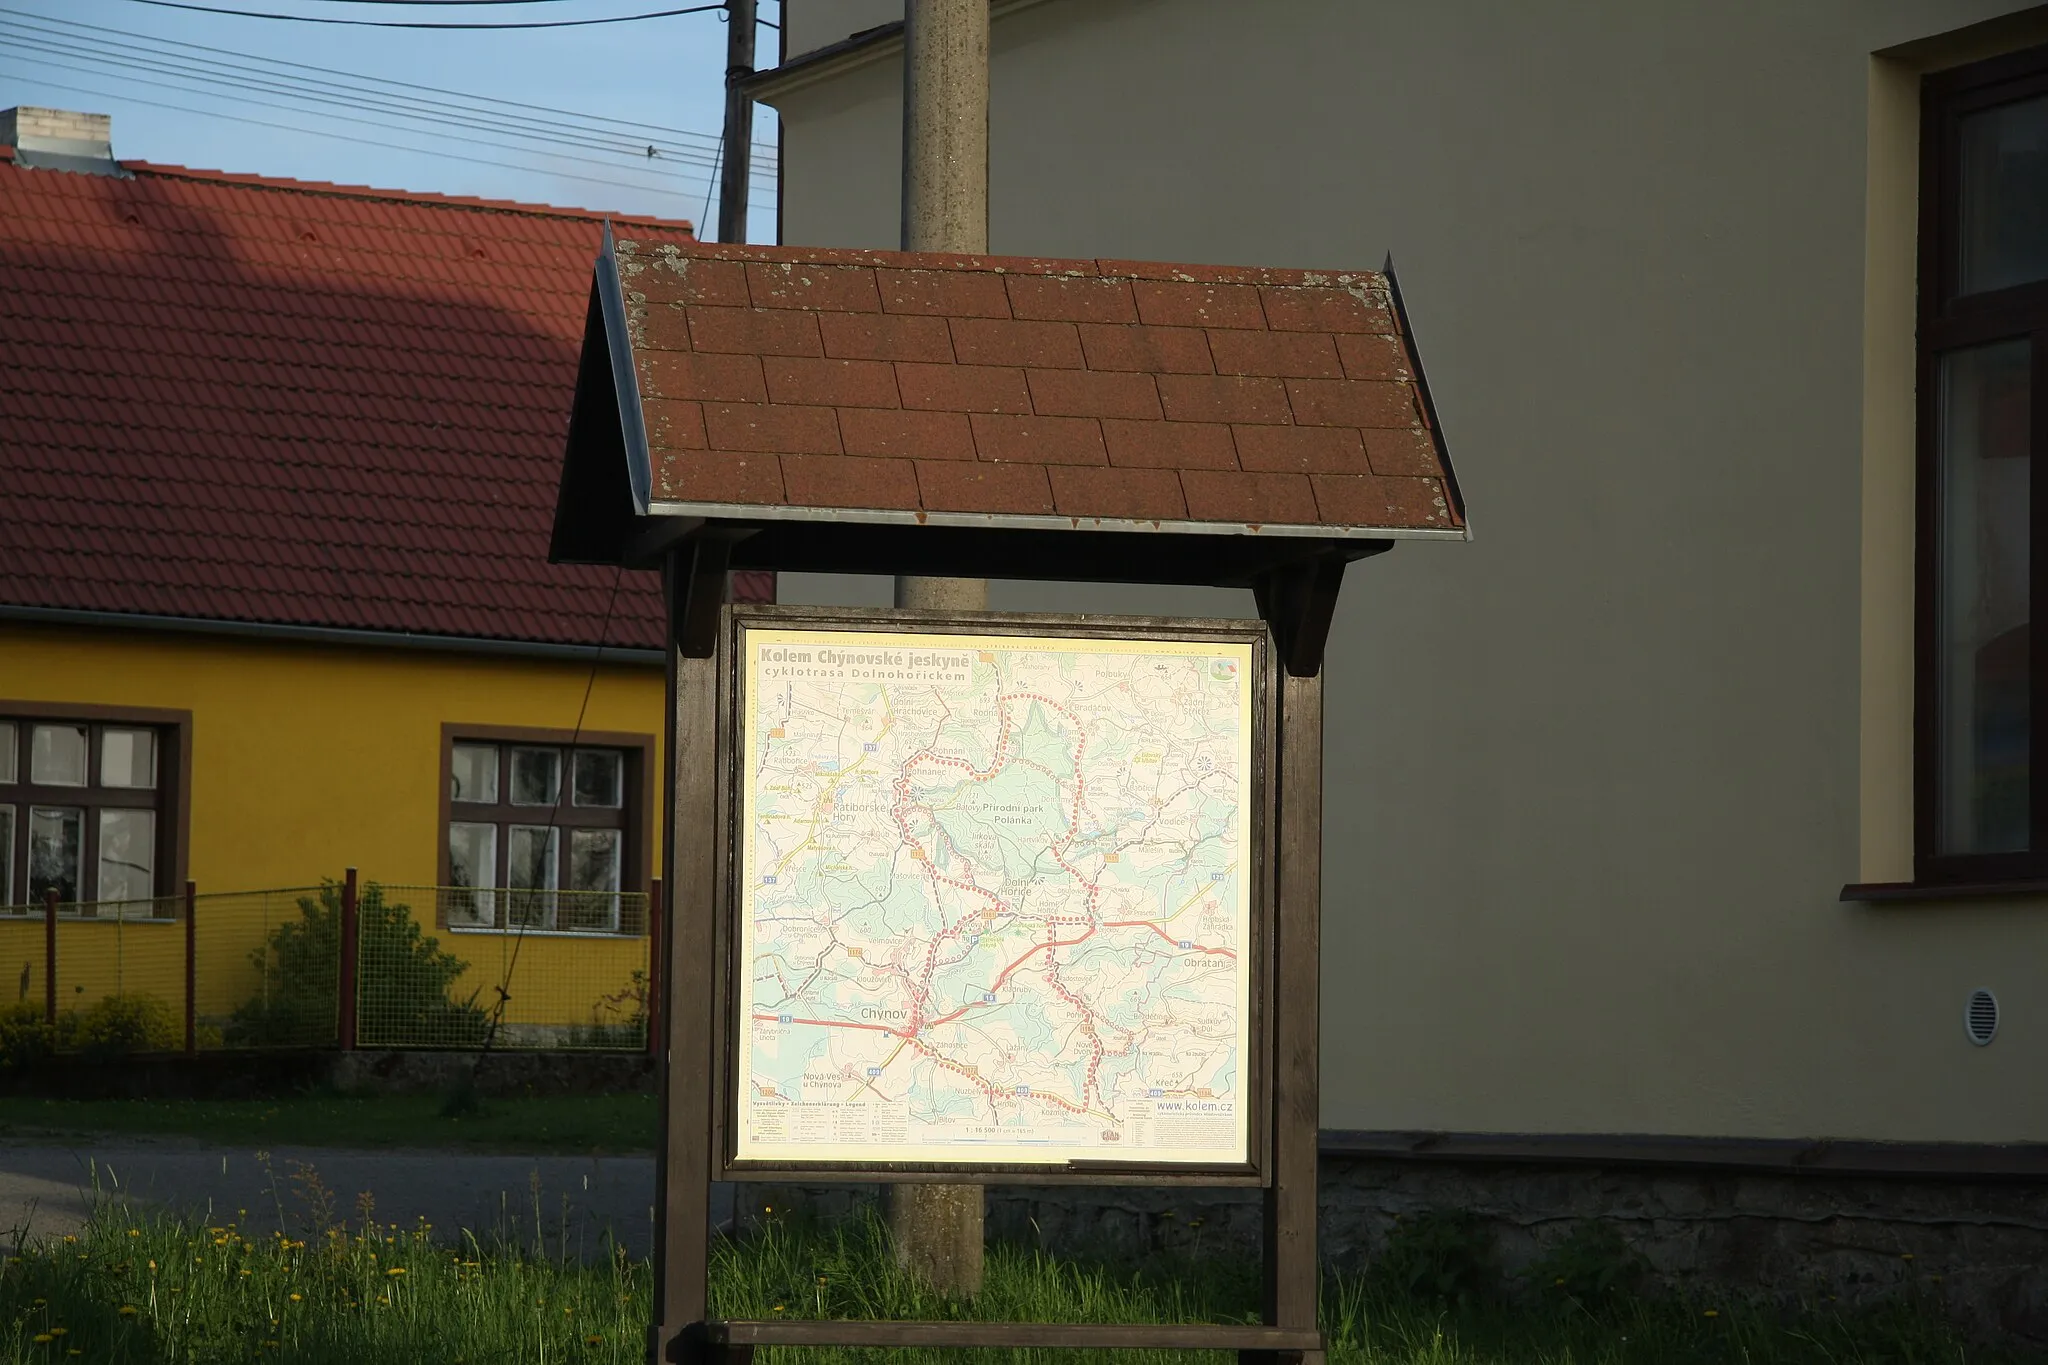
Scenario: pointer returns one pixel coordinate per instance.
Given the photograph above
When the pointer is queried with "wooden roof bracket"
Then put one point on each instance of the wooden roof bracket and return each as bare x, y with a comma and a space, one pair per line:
694, 578
1298, 602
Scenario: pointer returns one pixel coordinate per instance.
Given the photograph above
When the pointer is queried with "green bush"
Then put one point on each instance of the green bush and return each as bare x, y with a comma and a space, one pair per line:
25, 1037
120, 1025
1443, 1256
403, 981
1592, 1267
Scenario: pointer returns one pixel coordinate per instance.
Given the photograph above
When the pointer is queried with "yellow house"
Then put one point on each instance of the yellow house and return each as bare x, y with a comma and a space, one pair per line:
279, 463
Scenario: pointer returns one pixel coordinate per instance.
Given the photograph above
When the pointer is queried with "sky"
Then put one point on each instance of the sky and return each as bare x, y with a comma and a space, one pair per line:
663, 79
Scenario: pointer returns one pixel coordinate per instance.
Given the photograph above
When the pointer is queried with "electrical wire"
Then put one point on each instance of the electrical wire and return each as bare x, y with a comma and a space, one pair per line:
565, 781
763, 151
676, 156
349, 137
411, 23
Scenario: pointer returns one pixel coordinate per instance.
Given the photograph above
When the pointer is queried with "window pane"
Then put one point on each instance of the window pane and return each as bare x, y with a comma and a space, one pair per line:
56, 848
530, 872
127, 855
472, 871
7, 760
473, 774
57, 756
593, 902
8, 894
600, 777
127, 758
1985, 716
2003, 237
536, 776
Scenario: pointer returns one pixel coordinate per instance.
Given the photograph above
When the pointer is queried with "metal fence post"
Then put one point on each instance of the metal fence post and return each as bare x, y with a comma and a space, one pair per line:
50, 956
653, 1007
191, 970
347, 984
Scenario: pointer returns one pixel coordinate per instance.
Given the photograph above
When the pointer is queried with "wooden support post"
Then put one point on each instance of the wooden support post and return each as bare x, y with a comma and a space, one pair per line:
50, 956
695, 581
1292, 1271
345, 1022
191, 969
655, 975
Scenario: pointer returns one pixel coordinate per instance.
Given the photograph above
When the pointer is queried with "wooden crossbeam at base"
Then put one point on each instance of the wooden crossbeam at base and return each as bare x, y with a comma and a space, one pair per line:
1193, 1336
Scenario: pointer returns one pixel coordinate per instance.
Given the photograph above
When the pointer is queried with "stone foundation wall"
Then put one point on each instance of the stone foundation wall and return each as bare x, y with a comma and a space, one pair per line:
1977, 1247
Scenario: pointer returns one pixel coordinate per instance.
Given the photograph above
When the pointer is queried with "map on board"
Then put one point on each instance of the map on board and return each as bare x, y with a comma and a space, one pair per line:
995, 899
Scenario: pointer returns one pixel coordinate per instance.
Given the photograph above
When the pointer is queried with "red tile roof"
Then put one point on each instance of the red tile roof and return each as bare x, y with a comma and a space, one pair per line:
242, 399
781, 382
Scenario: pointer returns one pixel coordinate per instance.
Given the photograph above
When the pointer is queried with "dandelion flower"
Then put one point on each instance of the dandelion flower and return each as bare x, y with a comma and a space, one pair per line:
58, 1331
396, 1270
1712, 1313
126, 1310
41, 1337
295, 1297
593, 1341
135, 1232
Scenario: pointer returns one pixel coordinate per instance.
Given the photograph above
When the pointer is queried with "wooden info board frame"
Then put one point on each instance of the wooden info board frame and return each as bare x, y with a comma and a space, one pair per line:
729, 1033
1281, 1071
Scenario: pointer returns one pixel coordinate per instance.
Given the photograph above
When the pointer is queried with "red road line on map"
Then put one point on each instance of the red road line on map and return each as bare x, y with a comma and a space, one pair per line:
831, 1023
1148, 924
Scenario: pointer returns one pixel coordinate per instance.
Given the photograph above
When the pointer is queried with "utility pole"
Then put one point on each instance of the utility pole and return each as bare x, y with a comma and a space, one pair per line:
937, 1229
737, 167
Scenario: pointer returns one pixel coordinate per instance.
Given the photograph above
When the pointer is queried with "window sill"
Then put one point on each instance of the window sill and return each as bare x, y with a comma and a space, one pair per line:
541, 933
1881, 893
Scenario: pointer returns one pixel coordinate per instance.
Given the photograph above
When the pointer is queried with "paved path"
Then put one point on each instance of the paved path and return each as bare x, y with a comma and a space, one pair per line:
48, 1188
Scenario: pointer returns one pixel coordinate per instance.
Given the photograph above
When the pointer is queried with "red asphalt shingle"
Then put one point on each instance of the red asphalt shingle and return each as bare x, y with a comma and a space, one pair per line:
1080, 391
235, 398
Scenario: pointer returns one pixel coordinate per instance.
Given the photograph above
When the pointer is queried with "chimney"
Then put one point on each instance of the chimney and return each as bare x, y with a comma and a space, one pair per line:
60, 140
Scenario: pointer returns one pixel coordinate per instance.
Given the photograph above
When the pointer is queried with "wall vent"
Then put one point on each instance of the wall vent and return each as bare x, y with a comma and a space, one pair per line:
1980, 1016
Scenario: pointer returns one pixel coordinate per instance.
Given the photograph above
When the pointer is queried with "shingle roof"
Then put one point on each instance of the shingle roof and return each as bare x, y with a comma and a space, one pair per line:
1087, 394
244, 399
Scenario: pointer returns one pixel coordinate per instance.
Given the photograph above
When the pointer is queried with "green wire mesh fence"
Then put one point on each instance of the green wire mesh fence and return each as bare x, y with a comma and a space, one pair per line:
327, 966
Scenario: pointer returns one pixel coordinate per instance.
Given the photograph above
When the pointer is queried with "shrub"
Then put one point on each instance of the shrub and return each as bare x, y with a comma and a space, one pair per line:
118, 1025
1442, 1256
1592, 1267
403, 980
25, 1037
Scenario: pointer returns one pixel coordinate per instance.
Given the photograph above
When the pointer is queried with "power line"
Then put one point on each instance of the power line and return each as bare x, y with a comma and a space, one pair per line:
762, 150
347, 137
361, 103
411, 23
349, 118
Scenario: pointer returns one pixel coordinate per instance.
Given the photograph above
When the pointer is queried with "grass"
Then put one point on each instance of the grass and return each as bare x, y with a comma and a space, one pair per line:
161, 1291
536, 1124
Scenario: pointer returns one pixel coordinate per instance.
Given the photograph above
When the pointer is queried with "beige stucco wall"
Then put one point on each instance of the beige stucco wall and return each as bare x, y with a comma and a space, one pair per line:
1595, 779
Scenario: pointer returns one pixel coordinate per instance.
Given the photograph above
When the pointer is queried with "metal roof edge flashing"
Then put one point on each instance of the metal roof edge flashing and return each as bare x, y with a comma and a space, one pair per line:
850, 53
1436, 427
607, 469
611, 292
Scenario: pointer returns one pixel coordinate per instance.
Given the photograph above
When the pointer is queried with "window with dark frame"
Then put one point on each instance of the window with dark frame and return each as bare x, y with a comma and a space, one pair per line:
1981, 758
83, 813
541, 835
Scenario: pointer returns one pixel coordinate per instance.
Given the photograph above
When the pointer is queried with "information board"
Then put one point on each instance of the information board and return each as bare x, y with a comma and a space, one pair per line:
994, 898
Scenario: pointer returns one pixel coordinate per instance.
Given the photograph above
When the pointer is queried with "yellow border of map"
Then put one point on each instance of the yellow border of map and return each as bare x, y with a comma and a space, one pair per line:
754, 640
